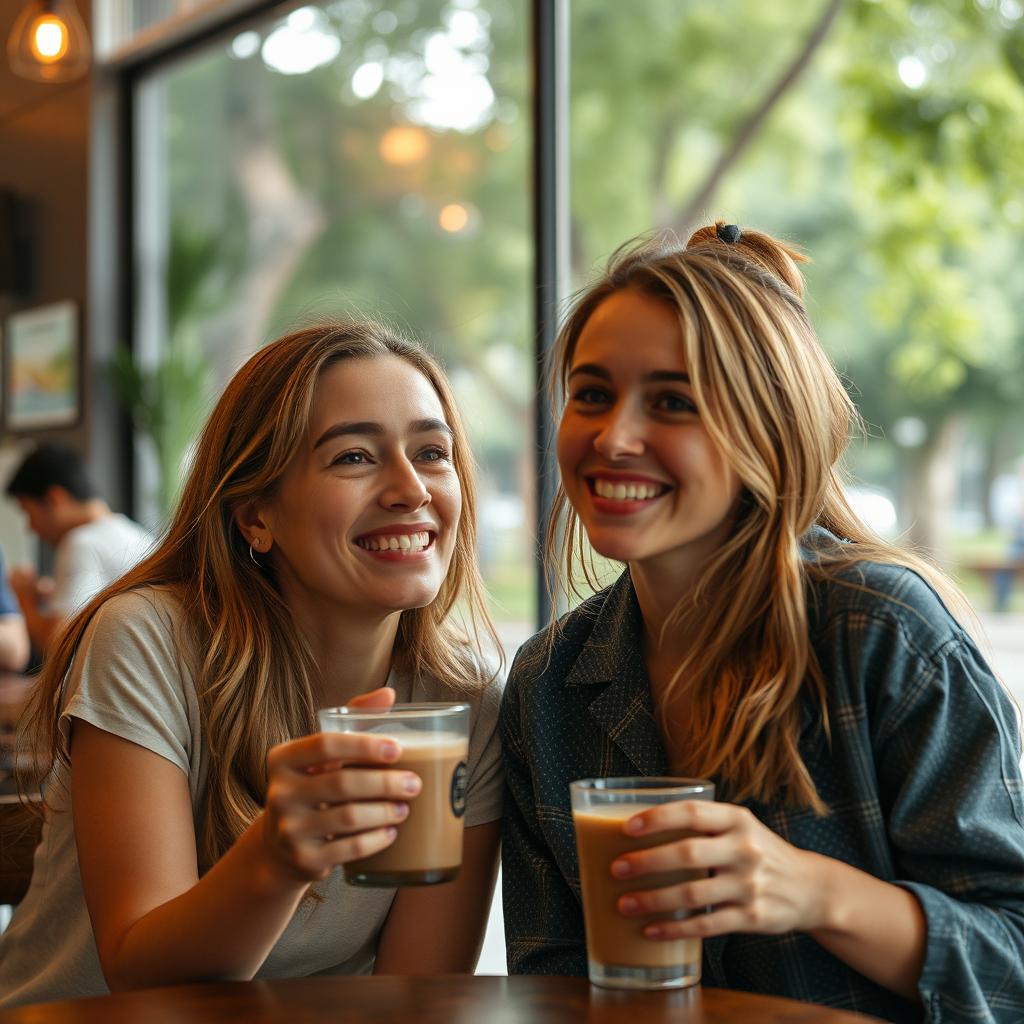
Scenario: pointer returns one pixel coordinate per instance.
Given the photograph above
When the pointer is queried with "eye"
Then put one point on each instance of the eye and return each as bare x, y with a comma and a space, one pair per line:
435, 453
351, 458
590, 395
672, 401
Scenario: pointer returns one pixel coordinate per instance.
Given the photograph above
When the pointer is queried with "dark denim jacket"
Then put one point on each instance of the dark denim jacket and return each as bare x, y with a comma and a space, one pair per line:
922, 781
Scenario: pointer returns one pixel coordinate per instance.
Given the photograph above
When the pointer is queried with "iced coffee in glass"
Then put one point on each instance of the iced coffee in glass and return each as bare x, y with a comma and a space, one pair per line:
434, 739
619, 955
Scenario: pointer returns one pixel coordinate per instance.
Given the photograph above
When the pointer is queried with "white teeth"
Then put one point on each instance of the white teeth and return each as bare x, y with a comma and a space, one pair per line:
411, 542
625, 492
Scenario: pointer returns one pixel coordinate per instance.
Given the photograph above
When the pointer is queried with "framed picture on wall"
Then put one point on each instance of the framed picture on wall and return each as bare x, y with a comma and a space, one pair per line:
41, 368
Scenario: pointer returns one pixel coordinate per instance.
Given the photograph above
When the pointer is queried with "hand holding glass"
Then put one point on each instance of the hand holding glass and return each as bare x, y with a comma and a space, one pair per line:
619, 955
434, 745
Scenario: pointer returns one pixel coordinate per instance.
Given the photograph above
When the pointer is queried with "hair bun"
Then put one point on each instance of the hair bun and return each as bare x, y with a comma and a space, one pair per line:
729, 233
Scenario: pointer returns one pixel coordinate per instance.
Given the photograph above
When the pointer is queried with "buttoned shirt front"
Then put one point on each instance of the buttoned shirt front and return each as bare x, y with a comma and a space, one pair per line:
921, 780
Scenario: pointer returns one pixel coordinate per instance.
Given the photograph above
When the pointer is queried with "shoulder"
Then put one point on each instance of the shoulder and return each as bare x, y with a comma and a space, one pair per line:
479, 682
550, 653
879, 599
149, 617
127, 528
105, 531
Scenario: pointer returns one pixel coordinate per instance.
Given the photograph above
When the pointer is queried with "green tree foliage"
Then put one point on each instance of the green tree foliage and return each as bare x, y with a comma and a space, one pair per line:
882, 136
896, 159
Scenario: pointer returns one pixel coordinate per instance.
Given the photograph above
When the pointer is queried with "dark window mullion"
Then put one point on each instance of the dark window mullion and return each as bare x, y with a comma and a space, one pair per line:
551, 240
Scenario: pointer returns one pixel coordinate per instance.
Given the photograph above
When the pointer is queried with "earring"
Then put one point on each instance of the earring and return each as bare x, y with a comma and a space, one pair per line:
256, 544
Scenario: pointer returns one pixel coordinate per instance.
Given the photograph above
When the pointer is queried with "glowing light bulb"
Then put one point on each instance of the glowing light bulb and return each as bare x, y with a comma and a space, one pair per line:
49, 42
49, 39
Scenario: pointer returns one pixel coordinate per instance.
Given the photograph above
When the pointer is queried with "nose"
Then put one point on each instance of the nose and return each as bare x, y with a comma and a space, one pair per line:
403, 489
620, 435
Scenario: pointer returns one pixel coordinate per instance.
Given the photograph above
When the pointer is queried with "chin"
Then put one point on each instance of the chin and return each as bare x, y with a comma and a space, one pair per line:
411, 599
617, 549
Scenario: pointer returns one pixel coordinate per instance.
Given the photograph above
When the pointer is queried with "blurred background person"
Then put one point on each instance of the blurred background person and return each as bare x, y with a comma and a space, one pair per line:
1009, 501
92, 545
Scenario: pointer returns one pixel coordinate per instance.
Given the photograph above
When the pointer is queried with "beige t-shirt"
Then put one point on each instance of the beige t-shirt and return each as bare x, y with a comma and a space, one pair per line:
132, 678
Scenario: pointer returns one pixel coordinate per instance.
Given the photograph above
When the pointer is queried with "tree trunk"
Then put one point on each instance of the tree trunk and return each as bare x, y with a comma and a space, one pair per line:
749, 129
930, 495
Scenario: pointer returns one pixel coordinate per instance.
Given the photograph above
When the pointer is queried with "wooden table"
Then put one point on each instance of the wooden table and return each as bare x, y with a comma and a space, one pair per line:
437, 1000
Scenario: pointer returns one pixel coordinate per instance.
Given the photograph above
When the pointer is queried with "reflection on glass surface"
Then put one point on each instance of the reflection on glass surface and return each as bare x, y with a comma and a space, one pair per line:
348, 156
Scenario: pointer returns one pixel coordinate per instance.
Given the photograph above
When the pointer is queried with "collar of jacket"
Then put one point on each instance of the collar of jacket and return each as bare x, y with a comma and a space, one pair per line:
611, 676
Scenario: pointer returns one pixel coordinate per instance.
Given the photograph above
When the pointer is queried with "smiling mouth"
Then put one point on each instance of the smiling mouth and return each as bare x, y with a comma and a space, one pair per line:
402, 543
632, 491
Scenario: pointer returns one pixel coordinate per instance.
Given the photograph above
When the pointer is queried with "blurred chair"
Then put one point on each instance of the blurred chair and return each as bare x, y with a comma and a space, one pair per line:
20, 828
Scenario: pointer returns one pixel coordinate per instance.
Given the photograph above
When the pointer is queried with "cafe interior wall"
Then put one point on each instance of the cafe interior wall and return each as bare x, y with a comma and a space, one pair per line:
44, 161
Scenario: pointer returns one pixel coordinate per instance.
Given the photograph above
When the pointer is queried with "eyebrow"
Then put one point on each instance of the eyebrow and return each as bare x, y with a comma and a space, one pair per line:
368, 428
596, 370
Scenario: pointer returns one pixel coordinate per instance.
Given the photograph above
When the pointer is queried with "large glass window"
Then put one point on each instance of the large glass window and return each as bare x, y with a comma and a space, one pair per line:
885, 138
345, 156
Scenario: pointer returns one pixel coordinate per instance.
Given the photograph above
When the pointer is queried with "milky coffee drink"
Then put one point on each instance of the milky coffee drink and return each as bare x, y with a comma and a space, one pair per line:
619, 955
613, 939
428, 847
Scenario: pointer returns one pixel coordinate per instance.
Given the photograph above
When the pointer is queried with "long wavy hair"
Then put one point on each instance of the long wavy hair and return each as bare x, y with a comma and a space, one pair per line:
774, 406
255, 676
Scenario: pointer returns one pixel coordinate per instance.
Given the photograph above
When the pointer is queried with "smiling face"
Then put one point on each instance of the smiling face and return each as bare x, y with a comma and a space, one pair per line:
637, 463
366, 515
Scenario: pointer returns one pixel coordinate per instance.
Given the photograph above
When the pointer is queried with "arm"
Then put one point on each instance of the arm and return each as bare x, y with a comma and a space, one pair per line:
543, 916
763, 884
949, 773
155, 921
950, 931
13, 643
40, 624
440, 929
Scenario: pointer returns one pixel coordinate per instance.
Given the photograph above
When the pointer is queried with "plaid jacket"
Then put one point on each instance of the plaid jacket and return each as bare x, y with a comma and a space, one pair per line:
922, 782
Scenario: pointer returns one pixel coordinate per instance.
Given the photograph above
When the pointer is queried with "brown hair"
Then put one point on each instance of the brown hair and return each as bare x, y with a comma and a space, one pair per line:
256, 678
773, 404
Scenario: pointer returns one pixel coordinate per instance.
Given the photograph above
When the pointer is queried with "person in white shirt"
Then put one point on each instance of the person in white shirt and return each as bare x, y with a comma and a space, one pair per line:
93, 545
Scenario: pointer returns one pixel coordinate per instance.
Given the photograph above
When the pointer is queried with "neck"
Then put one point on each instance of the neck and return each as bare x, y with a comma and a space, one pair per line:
664, 581
84, 512
661, 584
352, 647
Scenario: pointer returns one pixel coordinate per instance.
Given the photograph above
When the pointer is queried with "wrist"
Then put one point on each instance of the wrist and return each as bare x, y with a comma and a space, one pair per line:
270, 875
825, 911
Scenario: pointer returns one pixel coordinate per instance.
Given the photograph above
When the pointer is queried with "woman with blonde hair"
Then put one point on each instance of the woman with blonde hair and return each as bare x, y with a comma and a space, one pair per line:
866, 849
195, 815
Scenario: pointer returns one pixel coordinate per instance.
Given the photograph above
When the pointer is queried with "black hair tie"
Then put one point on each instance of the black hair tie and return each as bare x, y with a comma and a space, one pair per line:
729, 233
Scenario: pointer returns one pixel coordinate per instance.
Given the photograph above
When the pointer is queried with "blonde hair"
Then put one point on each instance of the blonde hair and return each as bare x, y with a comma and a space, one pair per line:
256, 677
773, 404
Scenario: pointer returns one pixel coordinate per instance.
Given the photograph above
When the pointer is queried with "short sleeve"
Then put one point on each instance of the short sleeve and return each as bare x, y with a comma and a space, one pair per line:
485, 792
126, 679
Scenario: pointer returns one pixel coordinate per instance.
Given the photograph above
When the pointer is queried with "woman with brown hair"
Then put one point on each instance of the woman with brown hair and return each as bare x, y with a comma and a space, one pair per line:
195, 815
867, 847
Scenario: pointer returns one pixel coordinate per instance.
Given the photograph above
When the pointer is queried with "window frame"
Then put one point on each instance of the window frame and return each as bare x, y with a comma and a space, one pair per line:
112, 225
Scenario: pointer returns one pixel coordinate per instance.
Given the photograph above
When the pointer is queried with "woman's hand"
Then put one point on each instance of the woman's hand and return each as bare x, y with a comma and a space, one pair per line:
758, 881
327, 801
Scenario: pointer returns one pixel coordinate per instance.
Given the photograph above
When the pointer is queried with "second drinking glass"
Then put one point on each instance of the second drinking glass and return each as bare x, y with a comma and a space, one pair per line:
619, 955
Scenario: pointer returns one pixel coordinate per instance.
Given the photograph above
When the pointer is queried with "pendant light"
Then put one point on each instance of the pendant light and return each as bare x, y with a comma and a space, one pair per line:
49, 42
